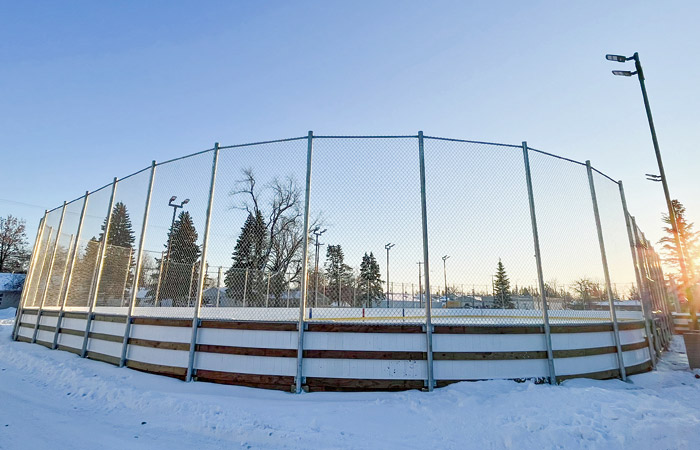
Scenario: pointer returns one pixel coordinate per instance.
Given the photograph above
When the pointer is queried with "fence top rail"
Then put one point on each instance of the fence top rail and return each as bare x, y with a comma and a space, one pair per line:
604, 175
436, 138
556, 156
412, 136
249, 144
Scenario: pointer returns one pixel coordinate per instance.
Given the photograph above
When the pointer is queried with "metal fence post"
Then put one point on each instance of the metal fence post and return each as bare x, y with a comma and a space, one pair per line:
137, 268
218, 287
298, 381
202, 267
30, 276
645, 289
48, 275
645, 310
426, 265
538, 261
98, 270
606, 273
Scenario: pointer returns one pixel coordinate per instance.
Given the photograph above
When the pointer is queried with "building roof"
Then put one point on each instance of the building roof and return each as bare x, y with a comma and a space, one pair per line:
11, 281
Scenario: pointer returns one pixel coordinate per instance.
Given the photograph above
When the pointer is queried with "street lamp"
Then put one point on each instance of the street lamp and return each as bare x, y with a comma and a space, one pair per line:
172, 225
387, 247
444, 271
420, 287
317, 234
662, 174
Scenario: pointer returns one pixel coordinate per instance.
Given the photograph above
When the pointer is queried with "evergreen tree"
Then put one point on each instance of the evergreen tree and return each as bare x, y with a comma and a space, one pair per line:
369, 291
246, 277
339, 275
118, 259
689, 241
501, 288
83, 275
181, 266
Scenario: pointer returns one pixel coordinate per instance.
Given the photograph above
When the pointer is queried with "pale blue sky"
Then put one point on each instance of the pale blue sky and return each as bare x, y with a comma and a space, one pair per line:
93, 90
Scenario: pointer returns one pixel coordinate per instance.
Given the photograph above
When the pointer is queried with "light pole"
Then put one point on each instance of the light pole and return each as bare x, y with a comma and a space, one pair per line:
317, 234
661, 176
444, 272
420, 287
172, 225
387, 247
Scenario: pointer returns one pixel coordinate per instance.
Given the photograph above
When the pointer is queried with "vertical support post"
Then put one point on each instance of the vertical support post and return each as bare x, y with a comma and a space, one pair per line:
644, 287
245, 287
426, 264
137, 268
645, 309
160, 276
30, 275
202, 268
218, 288
66, 266
98, 270
126, 275
267, 292
540, 273
606, 273
304, 270
50, 272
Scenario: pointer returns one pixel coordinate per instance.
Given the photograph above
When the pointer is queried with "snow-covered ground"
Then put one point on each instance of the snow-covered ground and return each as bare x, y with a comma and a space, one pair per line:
56, 400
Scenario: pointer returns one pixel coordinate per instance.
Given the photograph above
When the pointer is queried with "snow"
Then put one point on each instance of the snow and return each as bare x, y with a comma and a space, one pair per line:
54, 399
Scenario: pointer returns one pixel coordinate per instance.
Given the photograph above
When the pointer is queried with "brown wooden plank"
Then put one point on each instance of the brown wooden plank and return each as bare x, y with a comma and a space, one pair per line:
109, 318
49, 313
316, 384
362, 328
630, 325
106, 337
249, 351
159, 344
276, 382
72, 332
170, 371
47, 328
365, 354
243, 325
581, 328
65, 348
26, 325
75, 315
488, 329
44, 343
607, 374
104, 358
23, 339
161, 322
30, 312
488, 356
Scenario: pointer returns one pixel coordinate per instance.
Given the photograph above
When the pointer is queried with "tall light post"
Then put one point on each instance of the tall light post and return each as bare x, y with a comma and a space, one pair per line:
317, 234
172, 225
420, 287
662, 174
444, 272
387, 247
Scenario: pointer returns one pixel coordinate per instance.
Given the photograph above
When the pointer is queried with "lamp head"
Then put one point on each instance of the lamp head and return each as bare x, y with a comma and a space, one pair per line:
623, 73
616, 58
185, 201
172, 199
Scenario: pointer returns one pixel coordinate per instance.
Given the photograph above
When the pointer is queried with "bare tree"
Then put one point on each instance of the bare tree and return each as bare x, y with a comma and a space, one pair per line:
14, 255
281, 203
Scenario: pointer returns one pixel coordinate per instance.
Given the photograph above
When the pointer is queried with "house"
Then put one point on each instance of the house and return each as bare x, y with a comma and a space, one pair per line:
11, 289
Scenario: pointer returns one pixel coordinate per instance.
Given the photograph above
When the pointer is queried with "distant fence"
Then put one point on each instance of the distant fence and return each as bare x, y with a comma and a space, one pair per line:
364, 230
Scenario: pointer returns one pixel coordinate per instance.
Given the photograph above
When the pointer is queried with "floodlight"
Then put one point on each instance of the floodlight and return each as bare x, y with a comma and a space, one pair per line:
623, 73
187, 200
618, 58
172, 199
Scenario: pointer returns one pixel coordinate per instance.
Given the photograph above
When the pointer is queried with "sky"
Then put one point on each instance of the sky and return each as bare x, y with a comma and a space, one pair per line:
94, 90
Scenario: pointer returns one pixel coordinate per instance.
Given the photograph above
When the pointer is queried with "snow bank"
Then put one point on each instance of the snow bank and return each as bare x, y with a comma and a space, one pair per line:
51, 399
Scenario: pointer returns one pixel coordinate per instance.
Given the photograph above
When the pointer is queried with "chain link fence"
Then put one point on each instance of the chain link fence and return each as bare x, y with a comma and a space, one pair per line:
385, 242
